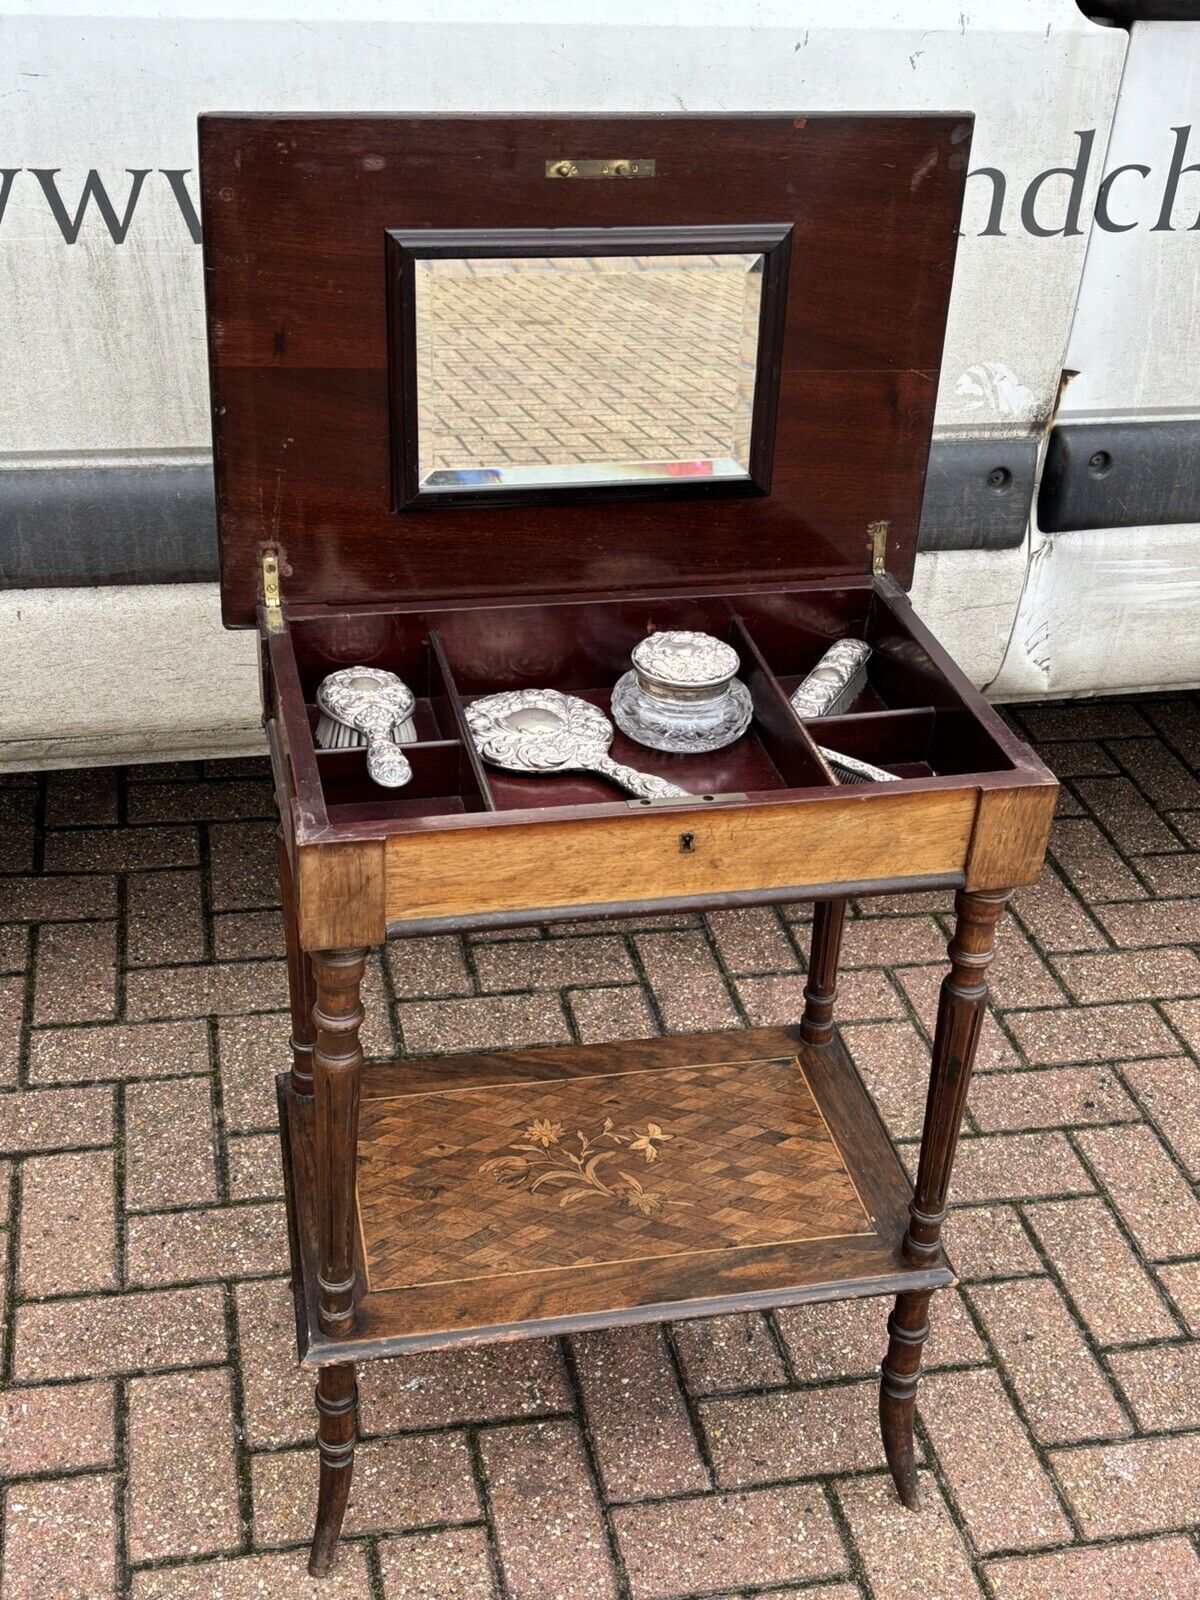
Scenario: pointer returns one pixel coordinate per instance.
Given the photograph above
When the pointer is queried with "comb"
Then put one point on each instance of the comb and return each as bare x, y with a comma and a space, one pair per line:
846, 769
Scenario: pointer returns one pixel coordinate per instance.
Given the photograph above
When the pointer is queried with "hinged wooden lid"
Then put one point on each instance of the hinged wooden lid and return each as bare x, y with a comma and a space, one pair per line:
296, 212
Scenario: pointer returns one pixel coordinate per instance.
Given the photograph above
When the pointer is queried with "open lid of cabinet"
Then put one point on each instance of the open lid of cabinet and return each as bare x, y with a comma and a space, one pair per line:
484, 356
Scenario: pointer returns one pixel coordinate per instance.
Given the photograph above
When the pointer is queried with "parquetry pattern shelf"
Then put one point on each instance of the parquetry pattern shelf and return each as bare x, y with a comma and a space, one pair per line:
614, 1169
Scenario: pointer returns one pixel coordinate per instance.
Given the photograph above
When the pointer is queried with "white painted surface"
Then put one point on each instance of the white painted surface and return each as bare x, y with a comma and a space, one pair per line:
134, 673
1135, 342
111, 336
1106, 610
969, 598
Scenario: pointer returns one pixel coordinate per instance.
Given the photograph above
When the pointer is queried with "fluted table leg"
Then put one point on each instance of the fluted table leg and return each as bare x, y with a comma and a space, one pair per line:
337, 1065
820, 991
336, 1426
960, 1017
301, 987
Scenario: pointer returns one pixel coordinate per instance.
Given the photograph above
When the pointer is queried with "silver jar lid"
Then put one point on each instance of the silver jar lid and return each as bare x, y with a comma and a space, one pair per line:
678, 664
682, 694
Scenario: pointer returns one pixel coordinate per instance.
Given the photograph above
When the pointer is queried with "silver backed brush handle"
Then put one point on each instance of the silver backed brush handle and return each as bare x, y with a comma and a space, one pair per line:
386, 762
642, 784
848, 769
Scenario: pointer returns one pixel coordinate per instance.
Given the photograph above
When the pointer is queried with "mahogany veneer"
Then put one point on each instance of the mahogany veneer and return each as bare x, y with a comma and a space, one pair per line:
516, 1194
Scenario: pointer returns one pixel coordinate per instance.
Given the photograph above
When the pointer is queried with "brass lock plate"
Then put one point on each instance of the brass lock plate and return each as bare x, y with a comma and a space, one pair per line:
611, 167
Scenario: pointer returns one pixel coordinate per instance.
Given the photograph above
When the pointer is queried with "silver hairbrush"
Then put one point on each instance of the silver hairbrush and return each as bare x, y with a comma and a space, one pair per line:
333, 734
374, 708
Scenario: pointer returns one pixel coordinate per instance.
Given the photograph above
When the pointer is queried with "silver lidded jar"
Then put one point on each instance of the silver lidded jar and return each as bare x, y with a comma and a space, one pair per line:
682, 694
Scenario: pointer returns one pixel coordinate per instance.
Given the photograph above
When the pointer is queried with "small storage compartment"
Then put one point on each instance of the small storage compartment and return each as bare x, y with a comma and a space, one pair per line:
926, 742
909, 719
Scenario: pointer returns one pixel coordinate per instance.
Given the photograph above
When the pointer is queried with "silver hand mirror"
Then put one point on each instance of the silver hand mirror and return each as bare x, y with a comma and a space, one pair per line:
542, 731
372, 702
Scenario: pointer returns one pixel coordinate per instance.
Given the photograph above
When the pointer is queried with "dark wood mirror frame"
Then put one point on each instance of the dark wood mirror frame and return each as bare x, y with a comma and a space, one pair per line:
405, 247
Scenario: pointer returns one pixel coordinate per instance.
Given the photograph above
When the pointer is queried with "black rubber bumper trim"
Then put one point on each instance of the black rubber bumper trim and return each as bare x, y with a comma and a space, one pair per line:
67, 527
1120, 475
63, 527
1126, 11
977, 494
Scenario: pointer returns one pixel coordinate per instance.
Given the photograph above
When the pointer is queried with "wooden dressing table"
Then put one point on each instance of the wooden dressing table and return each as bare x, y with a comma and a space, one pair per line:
522, 1194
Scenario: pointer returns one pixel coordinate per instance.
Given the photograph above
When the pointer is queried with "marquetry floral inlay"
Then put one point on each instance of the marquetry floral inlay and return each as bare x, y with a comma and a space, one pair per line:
575, 1167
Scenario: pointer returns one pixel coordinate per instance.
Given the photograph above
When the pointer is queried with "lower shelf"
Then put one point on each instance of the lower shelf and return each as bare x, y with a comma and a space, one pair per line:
540, 1191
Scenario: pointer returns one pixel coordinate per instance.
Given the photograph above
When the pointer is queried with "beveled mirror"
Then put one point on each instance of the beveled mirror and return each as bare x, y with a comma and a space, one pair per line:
563, 364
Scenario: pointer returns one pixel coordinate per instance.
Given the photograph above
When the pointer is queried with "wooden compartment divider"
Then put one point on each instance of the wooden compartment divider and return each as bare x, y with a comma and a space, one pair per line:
448, 700
942, 738
886, 738
448, 656
438, 770
783, 735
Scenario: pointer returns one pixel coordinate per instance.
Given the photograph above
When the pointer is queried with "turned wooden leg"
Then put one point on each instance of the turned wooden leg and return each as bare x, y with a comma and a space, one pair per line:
336, 1403
829, 918
301, 987
337, 1065
907, 1331
960, 1017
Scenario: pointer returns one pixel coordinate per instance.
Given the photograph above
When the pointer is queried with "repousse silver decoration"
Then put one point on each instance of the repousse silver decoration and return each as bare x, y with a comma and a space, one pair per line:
835, 682
332, 734
540, 731
848, 769
377, 704
683, 694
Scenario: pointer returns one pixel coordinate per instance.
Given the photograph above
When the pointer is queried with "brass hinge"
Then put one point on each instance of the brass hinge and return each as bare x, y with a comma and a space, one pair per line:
879, 533
272, 601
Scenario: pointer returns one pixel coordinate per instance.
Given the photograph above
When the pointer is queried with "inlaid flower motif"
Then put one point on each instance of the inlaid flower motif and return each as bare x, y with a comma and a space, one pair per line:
544, 1133
509, 1171
650, 1140
571, 1167
639, 1199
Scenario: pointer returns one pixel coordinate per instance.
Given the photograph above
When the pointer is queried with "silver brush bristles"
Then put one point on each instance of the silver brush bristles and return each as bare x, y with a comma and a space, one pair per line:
334, 735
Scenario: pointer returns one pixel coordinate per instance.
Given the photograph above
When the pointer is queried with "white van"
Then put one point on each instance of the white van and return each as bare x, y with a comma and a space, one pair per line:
1057, 533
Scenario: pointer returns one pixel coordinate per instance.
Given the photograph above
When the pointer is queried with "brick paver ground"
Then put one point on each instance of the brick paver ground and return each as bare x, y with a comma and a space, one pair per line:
155, 1438
523, 335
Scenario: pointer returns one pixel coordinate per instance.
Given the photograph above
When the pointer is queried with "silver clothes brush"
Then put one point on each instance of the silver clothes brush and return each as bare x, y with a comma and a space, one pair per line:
835, 683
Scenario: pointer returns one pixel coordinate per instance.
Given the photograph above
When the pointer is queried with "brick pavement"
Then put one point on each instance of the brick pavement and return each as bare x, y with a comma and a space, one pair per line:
155, 1437
523, 335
